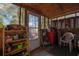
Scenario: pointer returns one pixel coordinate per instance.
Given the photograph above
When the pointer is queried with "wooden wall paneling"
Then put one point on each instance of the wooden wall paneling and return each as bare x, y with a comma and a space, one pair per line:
69, 23
23, 16
49, 23
75, 22
77, 18
60, 24
63, 23
52, 23
45, 22
26, 18
56, 23
1, 41
20, 16
42, 22
78, 22
66, 22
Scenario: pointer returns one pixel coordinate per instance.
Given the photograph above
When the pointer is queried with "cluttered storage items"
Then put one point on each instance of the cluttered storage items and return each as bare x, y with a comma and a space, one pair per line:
15, 41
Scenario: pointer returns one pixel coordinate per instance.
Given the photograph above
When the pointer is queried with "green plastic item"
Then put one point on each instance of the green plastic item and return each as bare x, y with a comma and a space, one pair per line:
19, 46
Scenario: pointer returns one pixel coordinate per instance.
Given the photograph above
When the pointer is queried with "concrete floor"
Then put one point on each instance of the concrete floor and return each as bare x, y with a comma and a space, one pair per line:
56, 51
42, 53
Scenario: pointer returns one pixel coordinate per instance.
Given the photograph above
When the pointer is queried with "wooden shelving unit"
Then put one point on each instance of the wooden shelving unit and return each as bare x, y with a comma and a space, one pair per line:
15, 42
15, 51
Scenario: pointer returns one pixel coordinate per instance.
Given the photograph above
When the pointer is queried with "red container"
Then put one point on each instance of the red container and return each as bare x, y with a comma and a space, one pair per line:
51, 38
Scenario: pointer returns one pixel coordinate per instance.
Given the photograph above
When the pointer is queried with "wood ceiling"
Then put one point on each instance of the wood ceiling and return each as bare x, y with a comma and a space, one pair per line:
51, 9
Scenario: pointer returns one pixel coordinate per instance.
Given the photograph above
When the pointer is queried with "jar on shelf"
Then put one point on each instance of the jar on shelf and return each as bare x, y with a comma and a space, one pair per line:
8, 39
8, 48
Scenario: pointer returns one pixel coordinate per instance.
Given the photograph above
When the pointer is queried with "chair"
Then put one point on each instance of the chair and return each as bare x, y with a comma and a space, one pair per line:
67, 38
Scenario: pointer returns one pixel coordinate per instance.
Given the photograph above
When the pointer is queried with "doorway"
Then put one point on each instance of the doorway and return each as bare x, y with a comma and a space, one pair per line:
33, 31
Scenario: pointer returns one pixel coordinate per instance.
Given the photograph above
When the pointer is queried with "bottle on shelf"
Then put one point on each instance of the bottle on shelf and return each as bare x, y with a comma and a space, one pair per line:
8, 48
15, 37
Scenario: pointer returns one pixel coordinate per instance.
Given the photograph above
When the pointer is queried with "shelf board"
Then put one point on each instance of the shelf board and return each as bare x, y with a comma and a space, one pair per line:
14, 31
27, 54
14, 41
15, 51
19, 40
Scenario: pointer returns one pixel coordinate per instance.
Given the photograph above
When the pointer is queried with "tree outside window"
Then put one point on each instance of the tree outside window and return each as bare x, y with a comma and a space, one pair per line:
9, 14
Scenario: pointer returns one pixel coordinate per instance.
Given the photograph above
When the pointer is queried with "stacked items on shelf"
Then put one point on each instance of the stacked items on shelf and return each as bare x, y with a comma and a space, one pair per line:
15, 40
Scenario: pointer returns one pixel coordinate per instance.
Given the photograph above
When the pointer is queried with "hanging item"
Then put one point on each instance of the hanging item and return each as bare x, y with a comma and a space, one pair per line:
72, 19
51, 36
